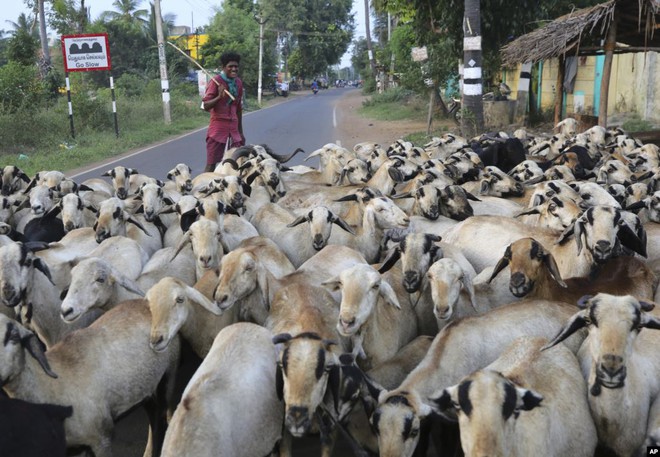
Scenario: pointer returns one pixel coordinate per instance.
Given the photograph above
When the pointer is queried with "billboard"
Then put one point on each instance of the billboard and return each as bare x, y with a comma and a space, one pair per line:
86, 52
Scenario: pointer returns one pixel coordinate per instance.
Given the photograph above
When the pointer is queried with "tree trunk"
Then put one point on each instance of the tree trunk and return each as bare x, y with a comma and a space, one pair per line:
372, 61
43, 37
472, 121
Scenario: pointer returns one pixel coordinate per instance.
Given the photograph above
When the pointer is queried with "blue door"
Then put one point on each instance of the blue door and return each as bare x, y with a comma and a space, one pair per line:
598, 80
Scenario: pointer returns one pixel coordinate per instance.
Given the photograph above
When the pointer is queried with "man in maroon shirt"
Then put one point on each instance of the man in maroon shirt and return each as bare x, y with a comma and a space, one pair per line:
224, 100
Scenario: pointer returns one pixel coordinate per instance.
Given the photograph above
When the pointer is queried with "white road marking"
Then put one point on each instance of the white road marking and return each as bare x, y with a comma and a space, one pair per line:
334, 117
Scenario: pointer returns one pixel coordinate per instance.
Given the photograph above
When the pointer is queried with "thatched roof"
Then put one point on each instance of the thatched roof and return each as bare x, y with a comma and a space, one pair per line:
581, 32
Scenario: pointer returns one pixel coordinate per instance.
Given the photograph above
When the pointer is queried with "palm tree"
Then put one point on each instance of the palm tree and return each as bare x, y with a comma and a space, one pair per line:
127, 11
150, 25
43, 38
23, 22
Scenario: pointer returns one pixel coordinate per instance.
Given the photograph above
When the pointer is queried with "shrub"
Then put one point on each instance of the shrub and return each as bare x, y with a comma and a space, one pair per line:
20, 86
130, 85
395, 95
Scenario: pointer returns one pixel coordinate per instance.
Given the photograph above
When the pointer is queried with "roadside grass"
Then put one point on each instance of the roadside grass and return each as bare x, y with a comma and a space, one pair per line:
37, 139
399, 105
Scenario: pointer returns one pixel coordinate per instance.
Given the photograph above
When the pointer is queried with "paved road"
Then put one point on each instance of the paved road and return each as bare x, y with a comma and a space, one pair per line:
304, 121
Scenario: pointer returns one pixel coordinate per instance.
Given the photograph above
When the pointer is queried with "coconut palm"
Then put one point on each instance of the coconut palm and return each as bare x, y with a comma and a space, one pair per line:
25, 23
127, 11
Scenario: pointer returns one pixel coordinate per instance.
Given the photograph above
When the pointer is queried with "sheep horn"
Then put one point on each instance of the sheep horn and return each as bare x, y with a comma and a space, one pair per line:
244, 151
348, 198
286, 158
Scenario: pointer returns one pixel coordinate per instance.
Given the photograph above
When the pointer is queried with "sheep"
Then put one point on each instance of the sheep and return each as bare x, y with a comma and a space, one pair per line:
120, 177
181, 174
205, 237
13, 179
99, 185
459, 349
113, 220
268, 172
104, 279
87, 370
620, 364
534, 274
567, 126
380, 213
527, 172
494, 182
72, 209
252, 277
31, 429
38, 297
370, 309
219, 410
153, 201
302, 319
9, 206
298, 243
41, 200
356, 171
451, 290
177, 308
525, 403
602, 229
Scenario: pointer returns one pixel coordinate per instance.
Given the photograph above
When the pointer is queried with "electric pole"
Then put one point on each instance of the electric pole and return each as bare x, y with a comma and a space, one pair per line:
261, 23
164, 83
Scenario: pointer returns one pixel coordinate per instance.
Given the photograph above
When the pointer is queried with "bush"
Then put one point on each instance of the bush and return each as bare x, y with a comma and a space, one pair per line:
20, 86
130, 85
396, 95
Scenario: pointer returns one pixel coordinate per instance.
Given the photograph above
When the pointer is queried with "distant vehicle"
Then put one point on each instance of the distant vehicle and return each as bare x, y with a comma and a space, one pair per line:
283, 89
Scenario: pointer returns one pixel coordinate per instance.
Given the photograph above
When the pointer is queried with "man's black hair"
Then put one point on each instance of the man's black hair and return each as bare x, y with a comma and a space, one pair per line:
230, 56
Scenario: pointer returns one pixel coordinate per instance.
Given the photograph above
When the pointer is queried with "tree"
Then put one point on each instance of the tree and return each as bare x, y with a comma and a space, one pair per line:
370, 48
22, 47
69, 16
127, 11
43, 38
472, 120
233, 29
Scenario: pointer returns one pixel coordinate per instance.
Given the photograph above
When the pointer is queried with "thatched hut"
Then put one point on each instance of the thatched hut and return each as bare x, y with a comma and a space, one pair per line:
613, 27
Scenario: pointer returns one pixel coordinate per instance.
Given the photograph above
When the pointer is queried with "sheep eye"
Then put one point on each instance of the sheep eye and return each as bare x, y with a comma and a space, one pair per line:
375, 286
249, 268
100, 280
586, 196
414, 432
179, 299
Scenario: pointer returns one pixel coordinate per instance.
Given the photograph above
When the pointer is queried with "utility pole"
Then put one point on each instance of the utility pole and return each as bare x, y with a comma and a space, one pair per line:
164, 83
261, 23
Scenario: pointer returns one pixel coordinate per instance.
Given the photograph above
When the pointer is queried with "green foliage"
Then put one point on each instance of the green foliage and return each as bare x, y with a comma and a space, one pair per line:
20, 86
68, 16
637, 124
130, 85
234, 30
396, 95
22, 47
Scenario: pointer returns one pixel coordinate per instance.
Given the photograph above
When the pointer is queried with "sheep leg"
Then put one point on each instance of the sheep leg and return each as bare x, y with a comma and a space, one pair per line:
328, 433
157, 411
285, 445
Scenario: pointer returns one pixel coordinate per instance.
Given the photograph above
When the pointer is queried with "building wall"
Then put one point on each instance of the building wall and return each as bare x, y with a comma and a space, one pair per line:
190, 43
634, 86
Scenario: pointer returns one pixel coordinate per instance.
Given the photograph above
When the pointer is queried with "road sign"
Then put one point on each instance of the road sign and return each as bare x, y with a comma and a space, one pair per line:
419, 54
86, 52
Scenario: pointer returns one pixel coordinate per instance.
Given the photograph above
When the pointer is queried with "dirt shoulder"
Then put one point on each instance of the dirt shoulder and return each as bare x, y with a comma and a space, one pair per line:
353, 128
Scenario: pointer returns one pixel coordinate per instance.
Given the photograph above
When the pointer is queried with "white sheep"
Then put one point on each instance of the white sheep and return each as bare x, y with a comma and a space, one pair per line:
230, 403
101, 371
525, 403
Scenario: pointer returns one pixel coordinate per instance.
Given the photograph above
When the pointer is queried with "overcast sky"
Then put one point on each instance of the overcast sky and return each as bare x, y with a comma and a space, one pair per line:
192, 13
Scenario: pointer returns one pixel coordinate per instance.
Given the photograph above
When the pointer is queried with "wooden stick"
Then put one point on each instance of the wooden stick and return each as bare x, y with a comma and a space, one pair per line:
201, 68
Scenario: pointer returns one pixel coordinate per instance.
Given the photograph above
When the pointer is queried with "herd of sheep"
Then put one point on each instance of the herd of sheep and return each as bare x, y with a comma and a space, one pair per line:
491, 296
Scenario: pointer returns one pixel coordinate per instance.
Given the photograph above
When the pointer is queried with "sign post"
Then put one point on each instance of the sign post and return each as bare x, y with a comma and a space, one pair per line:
87, 52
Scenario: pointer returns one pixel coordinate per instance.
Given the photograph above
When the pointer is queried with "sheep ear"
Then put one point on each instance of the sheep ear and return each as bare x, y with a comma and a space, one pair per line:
551, 264
629, 239
471, 197
127, 283
528, 212
188, 218
469, 287
403, 195
390, 260
527, 399
570, 230
636, 206
388, 294
501, 264
199, 298
137, 224
281, 338
297, 221
37, 350
42, 267
485, 186
445, 401
575, 323
182, 243
332, 284
343, 224
395, 174
649, 321
279, 382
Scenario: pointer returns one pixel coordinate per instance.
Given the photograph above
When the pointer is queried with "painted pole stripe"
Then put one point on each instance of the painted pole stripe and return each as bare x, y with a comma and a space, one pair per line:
114, 106
472, 43
70, 109
472, 81
526, 74
166, 96
472, 89
68, 86
165, 85
523, 85
472, 73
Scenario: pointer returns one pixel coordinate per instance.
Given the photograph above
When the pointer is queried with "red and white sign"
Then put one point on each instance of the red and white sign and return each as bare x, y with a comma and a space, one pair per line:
86, 52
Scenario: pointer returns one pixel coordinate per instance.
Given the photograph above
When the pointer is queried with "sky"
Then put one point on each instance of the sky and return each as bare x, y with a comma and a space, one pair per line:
188, 12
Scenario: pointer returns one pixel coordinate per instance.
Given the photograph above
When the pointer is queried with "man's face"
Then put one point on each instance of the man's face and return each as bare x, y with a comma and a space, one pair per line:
231, 69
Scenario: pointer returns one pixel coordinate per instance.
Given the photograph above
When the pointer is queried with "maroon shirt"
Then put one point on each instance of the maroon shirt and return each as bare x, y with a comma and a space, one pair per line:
224, 117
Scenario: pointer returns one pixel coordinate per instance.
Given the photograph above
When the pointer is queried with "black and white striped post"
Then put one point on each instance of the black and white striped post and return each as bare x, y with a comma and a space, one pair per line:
114, 104
522, 98
68, 98
473, 120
